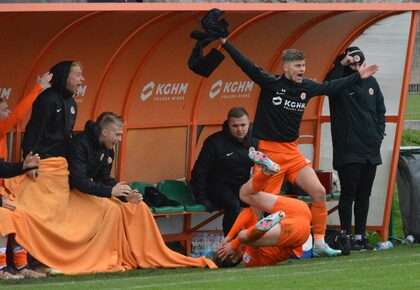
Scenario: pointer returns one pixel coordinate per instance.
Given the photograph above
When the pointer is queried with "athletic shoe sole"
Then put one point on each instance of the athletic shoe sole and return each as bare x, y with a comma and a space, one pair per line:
269, 167
270, 221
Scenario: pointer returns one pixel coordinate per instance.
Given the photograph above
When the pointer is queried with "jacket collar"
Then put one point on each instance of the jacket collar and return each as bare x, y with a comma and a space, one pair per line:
92, 131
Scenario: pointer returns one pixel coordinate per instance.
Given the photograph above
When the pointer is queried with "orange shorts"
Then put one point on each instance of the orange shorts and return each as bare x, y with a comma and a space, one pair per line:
290, 159
295, 230
296, 227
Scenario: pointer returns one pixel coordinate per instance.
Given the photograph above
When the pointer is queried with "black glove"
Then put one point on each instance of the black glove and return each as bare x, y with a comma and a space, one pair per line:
208, 204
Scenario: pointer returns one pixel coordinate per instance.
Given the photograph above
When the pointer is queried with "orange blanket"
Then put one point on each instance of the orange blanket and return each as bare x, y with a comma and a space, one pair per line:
79, 233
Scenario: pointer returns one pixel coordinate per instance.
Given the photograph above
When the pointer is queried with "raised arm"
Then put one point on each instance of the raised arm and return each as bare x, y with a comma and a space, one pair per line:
331, 87
20, 110
255, 73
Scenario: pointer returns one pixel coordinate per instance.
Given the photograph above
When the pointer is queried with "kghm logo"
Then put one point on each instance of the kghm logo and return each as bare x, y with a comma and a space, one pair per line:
5, 93
147, 91
215, 89
231, 90
164, 91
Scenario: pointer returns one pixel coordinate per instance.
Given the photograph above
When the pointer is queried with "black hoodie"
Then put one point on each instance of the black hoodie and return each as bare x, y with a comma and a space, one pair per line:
90, 163
223, 163
53, 116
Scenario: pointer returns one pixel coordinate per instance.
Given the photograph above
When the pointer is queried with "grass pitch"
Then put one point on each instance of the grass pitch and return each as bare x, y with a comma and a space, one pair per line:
397, 268
412, 108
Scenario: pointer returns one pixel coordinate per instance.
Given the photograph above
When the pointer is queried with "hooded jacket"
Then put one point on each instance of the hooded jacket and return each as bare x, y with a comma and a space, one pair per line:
53, 116
90, 163
282, 102
223, 162
357, 119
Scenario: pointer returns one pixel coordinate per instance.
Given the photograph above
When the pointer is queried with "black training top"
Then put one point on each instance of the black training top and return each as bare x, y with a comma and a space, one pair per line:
90, 163
223, 164
282, 102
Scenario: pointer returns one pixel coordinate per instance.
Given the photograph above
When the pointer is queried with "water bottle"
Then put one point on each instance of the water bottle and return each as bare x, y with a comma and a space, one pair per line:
384, 245
408, 240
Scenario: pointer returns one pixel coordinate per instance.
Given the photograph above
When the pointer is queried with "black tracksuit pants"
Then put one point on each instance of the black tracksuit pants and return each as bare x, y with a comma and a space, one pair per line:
228, 200
356, 180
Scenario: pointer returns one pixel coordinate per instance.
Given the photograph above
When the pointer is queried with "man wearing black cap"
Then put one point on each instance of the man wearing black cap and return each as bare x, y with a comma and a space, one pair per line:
54, 112
357, 129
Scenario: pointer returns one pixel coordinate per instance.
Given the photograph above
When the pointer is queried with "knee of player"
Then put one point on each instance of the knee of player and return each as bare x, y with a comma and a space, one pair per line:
243, 195
245, 192
318, 195
242, 236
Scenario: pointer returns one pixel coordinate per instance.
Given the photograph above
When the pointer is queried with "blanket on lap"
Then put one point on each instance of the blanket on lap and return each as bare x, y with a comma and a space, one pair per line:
78, 233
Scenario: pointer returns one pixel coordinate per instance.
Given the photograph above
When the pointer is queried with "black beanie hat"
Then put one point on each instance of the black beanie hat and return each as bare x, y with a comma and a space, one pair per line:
356, 53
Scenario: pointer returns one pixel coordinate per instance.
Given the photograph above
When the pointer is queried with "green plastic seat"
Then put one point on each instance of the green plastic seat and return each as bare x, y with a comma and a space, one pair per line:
140, 186
168, 209
180, 192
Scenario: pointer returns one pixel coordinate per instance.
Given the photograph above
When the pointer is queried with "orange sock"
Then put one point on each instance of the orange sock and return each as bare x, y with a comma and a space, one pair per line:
319, 220
259, 180
20, 257
254, 234
2, 260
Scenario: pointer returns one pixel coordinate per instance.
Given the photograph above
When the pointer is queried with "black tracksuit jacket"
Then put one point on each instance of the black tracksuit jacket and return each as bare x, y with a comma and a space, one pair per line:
90, 163
357, 120
223, 163
53, 116
282, 102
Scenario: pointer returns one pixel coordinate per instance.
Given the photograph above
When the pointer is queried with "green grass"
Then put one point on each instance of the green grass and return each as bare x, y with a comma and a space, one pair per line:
397, 268
410, 138
412, 109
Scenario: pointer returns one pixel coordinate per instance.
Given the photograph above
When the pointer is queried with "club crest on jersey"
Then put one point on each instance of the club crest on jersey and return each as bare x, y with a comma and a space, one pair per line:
72, 110
303, 96
109, 160
371, 91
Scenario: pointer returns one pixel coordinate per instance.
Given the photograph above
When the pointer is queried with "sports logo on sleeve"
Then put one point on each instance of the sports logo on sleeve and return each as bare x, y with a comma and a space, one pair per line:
371, 91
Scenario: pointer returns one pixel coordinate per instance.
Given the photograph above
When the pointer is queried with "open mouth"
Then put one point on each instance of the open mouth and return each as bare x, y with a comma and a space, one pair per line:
299, 77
